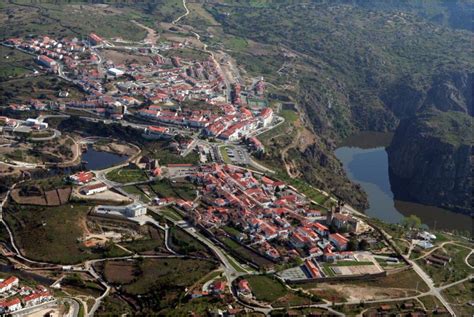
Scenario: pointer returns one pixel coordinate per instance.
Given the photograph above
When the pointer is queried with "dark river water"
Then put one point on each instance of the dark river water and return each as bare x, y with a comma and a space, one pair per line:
365, 161
97, 160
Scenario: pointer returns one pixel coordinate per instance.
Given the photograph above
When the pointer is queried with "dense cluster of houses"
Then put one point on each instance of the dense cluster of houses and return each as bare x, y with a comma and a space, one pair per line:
273, 218
15, 297
50, 51
224, 121
162, 81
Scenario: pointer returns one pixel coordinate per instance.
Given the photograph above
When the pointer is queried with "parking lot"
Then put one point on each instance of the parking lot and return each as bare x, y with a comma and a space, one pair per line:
238, 155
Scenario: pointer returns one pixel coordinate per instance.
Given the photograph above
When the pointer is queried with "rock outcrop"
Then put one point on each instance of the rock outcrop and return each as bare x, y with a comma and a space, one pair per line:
430, 160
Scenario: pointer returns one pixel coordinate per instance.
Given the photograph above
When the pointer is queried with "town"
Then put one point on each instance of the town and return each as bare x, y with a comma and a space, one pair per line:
16, 298
205, 196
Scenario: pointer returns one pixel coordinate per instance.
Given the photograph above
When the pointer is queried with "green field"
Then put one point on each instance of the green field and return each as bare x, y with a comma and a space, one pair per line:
236, 43
14, 63
232, 231
76, 285
52, 233
183, 243
165, 188
127, 175
113, 305
224, 155
430, 302
170, 213
268, 289
160, 151
162, 272
134, 190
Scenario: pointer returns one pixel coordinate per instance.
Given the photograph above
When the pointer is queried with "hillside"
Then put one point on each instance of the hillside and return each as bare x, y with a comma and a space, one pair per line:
352, 66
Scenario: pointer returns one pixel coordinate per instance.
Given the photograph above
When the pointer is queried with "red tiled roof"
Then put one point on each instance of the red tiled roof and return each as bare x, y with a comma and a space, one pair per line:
8, 281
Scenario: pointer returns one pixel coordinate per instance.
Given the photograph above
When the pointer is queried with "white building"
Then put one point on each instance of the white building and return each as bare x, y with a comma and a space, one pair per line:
115, 72
153, 132
132, 210
266, 116
93, 189
11, 305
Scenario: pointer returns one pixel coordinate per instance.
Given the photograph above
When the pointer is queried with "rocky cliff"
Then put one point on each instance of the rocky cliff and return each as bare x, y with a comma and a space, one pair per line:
430, 160
366, 66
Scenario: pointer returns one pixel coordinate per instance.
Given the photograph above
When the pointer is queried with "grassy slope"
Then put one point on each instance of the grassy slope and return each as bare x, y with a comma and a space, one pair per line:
159, 283
70, 20
451, 127
270, 290
51, 233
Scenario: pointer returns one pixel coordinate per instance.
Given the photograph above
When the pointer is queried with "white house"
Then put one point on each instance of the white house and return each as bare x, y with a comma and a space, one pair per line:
93, 189
8, 284
11, 305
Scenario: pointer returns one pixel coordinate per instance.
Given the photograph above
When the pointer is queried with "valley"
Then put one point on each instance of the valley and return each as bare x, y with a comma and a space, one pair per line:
235, 158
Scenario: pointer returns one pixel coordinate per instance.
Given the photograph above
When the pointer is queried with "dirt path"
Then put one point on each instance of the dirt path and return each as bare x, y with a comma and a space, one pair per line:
184, 15
289, 164
151, 36
301, 141
441, 246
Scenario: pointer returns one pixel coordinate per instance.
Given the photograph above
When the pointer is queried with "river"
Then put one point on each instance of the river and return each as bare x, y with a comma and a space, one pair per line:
365, 161
97, 160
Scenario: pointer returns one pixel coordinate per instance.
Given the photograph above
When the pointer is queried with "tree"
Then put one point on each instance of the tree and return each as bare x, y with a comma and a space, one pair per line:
364, 245
411, 222
353, 244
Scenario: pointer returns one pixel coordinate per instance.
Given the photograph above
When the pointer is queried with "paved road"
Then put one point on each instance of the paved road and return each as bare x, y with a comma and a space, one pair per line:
30, 310
73, 307
435, 291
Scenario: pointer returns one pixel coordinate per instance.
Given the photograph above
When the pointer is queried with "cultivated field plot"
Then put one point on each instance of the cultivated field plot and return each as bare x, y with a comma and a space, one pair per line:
54, 197
120, 272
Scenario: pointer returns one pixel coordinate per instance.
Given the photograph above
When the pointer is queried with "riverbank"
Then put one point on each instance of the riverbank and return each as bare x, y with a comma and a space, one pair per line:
365, 161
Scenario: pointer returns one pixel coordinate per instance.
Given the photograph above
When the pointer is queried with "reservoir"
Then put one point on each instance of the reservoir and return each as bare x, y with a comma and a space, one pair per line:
365, 161
97, 160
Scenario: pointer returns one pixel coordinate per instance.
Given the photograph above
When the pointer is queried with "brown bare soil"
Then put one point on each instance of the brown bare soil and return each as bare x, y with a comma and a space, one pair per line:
120, 272
335, 292
119, 57
55, 197
52, 198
